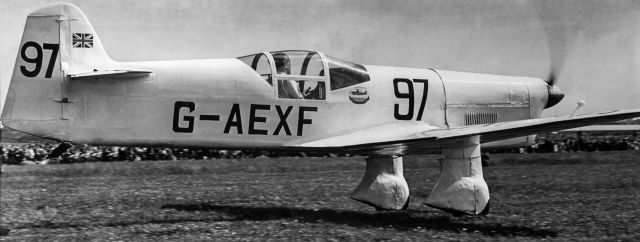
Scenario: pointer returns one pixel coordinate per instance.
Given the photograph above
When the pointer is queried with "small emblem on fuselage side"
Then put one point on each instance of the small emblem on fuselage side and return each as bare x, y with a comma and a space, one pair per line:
359, 95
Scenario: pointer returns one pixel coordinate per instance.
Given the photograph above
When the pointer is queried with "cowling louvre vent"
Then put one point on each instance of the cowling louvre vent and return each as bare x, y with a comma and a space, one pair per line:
480, 118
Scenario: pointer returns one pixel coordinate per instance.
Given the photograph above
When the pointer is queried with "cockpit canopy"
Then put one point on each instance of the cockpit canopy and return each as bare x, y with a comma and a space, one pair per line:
300, 74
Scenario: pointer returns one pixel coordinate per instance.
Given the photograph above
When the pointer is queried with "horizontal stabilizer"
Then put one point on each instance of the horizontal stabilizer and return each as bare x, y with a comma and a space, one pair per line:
111, 74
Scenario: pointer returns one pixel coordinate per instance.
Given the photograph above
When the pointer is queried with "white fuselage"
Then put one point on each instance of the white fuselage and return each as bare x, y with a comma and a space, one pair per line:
223, 103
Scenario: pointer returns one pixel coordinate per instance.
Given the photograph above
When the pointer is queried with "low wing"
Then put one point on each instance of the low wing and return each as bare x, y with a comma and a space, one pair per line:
512, 129
421, 138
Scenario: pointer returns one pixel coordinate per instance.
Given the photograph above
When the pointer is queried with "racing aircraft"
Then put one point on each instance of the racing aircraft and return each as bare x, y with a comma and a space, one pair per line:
66, 88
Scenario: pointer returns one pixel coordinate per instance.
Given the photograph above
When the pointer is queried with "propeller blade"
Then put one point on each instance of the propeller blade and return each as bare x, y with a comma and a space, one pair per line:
560, 30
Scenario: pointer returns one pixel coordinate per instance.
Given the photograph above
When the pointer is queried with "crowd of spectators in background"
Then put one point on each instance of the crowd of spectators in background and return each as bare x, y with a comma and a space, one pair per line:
37, 152
578, 142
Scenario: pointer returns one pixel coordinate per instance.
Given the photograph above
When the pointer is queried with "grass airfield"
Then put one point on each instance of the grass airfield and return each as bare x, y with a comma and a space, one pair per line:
564, 196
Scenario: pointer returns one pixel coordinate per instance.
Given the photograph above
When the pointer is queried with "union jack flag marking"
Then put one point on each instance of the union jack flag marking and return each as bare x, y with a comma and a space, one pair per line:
81, 40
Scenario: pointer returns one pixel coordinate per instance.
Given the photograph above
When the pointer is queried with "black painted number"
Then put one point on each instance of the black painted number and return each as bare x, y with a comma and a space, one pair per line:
37, 60
409, 95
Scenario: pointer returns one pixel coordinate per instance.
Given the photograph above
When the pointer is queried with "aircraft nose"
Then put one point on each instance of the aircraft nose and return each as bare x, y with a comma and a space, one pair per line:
554, 97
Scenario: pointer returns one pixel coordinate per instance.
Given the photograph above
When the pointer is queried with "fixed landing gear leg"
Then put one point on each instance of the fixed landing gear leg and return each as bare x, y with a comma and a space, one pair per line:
383, 185
461, 188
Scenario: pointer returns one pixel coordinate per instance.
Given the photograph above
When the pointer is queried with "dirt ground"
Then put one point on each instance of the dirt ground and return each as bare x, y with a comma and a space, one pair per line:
567, 196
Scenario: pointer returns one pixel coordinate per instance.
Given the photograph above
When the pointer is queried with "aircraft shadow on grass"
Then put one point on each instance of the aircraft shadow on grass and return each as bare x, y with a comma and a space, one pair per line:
406, 220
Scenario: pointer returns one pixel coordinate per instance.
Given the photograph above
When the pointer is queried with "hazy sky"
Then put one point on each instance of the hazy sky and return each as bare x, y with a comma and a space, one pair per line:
595, 45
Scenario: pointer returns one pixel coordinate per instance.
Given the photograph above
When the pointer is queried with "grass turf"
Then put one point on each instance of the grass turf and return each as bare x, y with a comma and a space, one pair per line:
568, 196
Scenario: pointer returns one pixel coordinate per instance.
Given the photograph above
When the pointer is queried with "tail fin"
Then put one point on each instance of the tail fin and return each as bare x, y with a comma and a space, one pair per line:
57, 41
80, 47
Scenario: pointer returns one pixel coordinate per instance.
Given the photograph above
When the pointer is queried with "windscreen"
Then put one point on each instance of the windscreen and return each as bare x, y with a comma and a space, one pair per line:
344, 74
